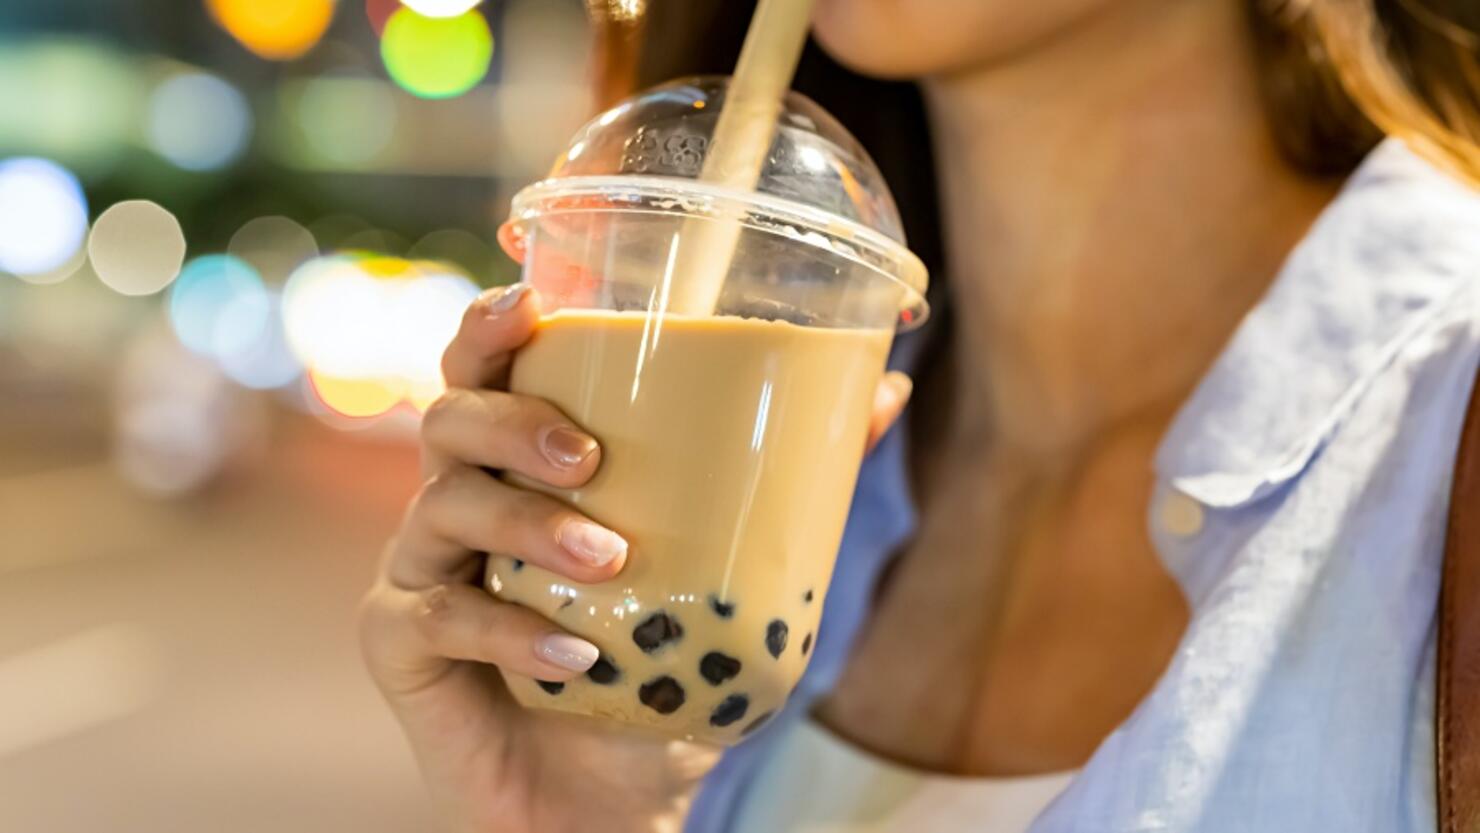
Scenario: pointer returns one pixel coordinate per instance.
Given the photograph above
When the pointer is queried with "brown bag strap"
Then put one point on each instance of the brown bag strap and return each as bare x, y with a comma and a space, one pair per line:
1458, 718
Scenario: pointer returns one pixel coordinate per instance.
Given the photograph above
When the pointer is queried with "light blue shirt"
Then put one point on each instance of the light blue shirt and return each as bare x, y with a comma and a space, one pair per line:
1300, 504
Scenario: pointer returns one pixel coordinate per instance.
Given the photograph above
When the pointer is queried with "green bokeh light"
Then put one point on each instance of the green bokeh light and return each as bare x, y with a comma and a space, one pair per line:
436, 57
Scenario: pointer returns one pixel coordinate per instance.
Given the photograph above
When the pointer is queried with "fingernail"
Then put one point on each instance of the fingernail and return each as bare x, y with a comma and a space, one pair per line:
567, 651
592, 544
566, 447
505, 298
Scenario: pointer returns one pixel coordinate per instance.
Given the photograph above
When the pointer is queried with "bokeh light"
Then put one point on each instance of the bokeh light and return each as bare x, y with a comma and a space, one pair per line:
218, 306
359, 398
77, 98
278, 30
73, 265
436, 57
198, 122
348, 121
332, 315
267, 362
371, 330
136, 247
441, 8
274, 247
43, 216
428, 311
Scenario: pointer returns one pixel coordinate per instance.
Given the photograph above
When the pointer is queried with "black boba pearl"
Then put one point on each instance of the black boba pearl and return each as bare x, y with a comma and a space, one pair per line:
716, 667
732, 709
723, 610
656, 631
603, 672
757, 723
518, 565
776, 637
549, 687
807, 596
806, 644
663, 695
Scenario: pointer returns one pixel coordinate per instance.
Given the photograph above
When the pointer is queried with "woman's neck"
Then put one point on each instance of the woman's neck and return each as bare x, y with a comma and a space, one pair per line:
1115, 204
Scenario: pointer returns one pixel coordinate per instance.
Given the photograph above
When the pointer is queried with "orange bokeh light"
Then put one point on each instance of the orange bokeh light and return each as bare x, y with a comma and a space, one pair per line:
279, 30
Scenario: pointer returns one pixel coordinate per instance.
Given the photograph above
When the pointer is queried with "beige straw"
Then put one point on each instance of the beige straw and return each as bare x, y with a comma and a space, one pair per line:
742, 139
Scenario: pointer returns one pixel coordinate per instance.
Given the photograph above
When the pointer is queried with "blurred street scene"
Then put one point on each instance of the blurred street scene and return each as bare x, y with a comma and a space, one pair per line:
234, 238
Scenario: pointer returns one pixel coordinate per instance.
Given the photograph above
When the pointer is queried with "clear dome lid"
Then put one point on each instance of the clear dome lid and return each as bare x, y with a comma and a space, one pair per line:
817, 183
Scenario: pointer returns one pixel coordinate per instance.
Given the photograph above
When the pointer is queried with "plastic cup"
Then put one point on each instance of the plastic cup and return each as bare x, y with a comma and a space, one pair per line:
730, 442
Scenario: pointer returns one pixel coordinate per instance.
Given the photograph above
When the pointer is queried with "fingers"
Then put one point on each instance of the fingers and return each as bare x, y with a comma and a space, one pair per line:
464, 510
498, 322
890, 398
411, 636
508, 431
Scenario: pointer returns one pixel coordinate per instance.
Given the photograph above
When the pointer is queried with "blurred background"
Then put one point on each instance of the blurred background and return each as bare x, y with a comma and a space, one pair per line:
234, 238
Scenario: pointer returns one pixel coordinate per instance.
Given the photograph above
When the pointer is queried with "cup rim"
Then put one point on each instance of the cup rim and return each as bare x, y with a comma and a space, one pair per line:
807, 224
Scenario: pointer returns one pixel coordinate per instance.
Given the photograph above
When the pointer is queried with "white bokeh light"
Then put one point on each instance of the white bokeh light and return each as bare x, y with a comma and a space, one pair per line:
427, 313
336, 319
345, 325
43, 216
440, 8
136, 247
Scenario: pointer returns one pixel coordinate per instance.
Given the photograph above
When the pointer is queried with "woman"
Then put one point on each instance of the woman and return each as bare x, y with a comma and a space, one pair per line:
1162, 534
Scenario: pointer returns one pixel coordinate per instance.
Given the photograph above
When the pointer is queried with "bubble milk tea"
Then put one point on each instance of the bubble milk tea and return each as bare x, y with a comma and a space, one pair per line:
730, 447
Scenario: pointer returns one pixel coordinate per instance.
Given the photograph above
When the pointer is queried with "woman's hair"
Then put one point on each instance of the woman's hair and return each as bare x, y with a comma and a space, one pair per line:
1335, 71
1335, 74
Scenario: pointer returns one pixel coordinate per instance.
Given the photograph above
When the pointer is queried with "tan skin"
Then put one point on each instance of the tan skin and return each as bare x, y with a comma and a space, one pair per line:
1115, 206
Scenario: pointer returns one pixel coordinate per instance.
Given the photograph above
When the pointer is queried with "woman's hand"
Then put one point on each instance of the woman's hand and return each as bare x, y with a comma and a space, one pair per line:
432, 636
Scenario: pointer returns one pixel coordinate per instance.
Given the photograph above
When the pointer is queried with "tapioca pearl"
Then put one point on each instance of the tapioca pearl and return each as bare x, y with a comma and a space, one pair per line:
716, 667
549, 687
656, 631
603, 671
518, 564
723, 610
807, 596
662, 694
757, 723
806, 644
730, 710
776, 637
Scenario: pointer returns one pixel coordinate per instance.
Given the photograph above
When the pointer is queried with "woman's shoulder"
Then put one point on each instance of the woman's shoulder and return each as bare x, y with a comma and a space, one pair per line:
1385, 283
1403, 231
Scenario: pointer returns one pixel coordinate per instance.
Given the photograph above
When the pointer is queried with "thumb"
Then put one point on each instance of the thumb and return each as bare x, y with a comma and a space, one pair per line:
890, 398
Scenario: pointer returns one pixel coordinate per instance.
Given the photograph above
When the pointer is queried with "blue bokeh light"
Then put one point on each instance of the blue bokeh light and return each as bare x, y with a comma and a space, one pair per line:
198, 122
219, 306
267, 362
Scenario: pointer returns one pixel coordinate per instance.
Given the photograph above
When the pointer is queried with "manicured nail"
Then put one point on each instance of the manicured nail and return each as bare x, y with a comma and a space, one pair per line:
566, 447
504, 298
592, 544
567, 651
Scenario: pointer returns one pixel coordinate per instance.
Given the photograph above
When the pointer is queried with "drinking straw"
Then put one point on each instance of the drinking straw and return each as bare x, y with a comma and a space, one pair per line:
738, 150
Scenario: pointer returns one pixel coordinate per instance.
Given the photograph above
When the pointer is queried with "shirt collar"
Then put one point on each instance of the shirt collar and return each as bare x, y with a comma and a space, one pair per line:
1397, 244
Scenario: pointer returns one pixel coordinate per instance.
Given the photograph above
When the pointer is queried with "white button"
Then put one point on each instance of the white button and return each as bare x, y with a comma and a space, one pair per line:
1180, 515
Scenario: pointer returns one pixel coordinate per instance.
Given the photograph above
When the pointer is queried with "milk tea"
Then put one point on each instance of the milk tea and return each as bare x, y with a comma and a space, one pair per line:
730, 447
